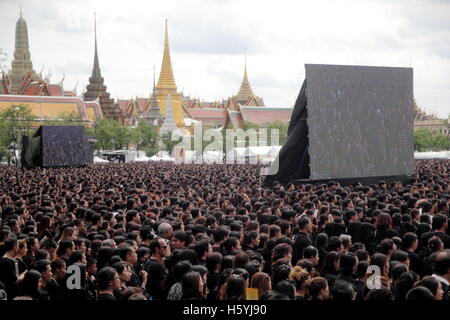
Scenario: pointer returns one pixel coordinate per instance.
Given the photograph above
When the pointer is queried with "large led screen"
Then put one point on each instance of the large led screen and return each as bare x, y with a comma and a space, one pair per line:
360, 121
65, 146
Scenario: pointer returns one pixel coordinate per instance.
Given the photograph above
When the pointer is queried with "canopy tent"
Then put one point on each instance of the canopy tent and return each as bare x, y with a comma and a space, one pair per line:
432, 155
99, 160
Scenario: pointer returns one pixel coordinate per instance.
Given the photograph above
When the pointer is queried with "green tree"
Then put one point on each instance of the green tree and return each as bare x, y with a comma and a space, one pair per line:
145, 136
167, 142
282, 128
426, 140
103, 131
17, 120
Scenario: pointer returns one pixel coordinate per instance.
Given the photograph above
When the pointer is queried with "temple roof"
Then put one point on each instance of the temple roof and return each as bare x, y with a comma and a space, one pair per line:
263, 115
166, 79
47, 106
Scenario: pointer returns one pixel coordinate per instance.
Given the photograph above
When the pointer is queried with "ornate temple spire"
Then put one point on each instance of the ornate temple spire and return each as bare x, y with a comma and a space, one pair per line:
245, 92
96, 88
96, 73
21, 63
153, 112
168, 125
166, 80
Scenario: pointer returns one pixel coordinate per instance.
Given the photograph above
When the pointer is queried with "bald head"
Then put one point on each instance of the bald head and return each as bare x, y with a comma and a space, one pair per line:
442, 263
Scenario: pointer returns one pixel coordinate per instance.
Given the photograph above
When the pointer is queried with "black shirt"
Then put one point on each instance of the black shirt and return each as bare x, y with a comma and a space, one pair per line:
55, 292
134, 281
156, 273
106, 297
302, 241
8, 276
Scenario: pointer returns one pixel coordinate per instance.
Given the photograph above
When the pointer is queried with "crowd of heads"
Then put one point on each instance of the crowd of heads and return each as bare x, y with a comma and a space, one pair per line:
163, 231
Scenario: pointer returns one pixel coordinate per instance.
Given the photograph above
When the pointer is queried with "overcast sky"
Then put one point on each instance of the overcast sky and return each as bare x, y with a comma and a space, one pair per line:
208, 38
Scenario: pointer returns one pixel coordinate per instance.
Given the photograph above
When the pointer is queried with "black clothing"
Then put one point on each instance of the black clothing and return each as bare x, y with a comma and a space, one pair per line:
22, 266
28, 261
382, 234
55, 292
302, 241
106, 297
335, 229
359, 286
156, 273
331, 278
444, 237
212, 283
134, 281
415, 262
9, 269
346, 277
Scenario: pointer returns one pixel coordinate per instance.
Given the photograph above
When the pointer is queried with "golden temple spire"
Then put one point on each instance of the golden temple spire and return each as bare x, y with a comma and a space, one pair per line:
166, 80
245, 92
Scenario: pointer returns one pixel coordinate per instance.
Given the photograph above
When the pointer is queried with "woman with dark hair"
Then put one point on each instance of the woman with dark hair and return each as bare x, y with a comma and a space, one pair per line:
280, 273
330, 267
189, 255
419, 294
108, 281
32, 246
44, 228
433, 285
31, 285
192, 286
281, 253
77, 256
21, 254
234, 288
434, 244
203, 248
261, 281
404, 283
381, 261
318, 289
321, 244
347, 264
383, 226
180, 269
124, 271
286, 288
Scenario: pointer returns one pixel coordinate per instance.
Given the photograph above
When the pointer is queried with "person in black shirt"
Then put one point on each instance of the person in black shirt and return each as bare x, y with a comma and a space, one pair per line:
9, 268
129, 256
410, 243
108, 281
43, 266
31, 286
439, 225
302, 239
156, 269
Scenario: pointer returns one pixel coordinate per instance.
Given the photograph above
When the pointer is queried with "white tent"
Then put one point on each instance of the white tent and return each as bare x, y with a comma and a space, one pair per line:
253, 154
432, 155
154, 158
99, 160
142, 158
167, 158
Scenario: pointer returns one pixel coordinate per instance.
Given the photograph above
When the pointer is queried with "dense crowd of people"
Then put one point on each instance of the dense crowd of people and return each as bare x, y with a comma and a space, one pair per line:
163, 231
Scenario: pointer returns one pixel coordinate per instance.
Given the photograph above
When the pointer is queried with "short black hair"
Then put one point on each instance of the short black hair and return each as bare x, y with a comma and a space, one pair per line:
342, 291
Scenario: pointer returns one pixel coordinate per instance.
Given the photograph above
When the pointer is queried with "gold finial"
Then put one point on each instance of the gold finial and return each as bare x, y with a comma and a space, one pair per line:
166, 79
